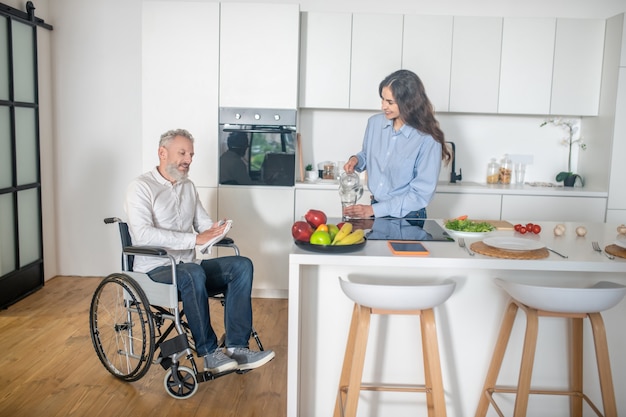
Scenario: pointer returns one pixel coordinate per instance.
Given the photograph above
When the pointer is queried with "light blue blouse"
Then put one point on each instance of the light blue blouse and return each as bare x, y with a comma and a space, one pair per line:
402, 167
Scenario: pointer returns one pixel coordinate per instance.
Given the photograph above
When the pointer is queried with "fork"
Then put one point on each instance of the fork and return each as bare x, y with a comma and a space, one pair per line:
462, 244
597, 248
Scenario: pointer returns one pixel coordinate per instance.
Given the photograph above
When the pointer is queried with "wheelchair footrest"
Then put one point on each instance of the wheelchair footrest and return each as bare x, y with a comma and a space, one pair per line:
171, 347
208, 376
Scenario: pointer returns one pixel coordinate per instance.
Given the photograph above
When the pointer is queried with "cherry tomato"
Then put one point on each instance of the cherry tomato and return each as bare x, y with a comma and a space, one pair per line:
522, 230
529, 227
536, 229
517, 227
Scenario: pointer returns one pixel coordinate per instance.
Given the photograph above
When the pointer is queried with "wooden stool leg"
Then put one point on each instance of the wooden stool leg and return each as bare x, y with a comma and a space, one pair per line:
526, 366
498, 356
355, 370
576, 367
432, 366
347, 360
604, 365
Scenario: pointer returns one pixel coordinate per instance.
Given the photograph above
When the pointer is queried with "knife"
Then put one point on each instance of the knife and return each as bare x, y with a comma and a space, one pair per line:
553, 251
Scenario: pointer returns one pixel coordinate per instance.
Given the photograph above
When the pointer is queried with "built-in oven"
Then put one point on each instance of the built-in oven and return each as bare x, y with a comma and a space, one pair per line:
257, 146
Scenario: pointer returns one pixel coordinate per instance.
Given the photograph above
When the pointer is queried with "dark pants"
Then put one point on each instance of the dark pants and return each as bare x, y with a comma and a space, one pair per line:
231, 275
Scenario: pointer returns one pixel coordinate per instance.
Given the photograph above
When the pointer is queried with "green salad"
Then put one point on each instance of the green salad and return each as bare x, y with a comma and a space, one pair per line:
468, 226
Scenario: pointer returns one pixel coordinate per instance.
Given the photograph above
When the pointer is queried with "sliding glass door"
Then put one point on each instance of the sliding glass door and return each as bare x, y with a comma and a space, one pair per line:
21, 248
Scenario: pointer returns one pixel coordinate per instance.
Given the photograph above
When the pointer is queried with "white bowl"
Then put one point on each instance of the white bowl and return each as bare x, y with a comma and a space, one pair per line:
599, 297
398, 297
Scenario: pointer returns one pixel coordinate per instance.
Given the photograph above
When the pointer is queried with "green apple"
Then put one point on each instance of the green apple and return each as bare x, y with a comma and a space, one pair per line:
332, 231
320, 237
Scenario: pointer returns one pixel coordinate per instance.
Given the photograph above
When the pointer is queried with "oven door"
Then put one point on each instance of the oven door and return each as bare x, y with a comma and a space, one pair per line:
257, 155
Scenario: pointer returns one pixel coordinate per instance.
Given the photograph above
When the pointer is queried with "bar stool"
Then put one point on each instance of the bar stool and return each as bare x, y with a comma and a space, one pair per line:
392, 299
570, 303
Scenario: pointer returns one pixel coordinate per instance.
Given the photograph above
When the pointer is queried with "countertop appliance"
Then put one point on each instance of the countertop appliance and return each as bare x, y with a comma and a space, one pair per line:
257, 146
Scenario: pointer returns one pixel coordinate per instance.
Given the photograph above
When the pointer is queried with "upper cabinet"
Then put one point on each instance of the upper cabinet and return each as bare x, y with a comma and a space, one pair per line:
468, 64
376, 53
526, 65
475, 76
427, 51
577, 70
259, 55
184, 93
326, 42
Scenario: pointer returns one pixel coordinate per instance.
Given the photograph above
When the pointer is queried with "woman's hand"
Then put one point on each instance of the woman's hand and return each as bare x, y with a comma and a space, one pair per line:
359, 211
215, 230
349, 166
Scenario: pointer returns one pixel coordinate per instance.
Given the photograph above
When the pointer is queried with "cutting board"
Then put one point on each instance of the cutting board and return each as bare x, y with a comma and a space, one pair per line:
498, 224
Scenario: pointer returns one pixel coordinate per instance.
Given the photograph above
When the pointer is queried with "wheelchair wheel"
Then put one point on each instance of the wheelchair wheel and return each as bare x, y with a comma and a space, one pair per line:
122, 327
182, 384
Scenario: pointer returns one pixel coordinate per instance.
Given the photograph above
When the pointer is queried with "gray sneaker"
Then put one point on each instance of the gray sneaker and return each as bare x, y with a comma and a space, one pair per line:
217, 362
249, 359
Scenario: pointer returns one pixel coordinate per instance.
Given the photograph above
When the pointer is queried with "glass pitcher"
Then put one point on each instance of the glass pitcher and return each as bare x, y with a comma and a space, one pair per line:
350, 190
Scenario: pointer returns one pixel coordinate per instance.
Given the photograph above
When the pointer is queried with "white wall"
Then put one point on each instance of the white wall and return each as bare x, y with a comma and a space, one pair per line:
95, 148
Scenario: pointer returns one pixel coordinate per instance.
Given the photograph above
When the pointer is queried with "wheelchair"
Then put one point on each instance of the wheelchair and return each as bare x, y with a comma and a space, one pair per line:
131, 318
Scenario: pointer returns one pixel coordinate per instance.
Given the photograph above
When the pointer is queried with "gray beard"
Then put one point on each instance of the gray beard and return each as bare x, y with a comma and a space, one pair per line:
174, 173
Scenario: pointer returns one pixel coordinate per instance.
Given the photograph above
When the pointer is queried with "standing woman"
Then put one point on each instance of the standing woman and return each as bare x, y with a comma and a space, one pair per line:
402, 151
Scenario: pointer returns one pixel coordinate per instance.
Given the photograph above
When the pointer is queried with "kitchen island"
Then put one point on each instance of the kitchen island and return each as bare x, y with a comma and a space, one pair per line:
319, 316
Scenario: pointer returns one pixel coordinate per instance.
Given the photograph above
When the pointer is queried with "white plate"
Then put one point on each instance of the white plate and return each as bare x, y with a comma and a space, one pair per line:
621, 241
469, 235
513, 243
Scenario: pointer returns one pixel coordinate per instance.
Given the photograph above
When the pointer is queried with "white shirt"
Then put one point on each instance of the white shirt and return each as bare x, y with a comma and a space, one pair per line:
164, 214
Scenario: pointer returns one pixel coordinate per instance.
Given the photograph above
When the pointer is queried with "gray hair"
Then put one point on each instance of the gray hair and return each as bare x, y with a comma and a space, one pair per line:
168, 136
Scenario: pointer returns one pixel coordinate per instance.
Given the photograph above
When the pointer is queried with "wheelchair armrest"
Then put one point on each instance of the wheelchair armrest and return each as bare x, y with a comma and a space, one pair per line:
225, 242
145, 250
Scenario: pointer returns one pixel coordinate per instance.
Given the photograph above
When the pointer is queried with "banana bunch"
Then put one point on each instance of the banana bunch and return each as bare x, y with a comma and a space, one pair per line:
347, 236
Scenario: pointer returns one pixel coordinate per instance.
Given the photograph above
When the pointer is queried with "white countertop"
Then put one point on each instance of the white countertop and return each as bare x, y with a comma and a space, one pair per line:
581, 257
483, 188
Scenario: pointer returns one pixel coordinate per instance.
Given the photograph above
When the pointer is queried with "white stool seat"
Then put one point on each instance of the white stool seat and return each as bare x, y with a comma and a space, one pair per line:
398, 297
599, 297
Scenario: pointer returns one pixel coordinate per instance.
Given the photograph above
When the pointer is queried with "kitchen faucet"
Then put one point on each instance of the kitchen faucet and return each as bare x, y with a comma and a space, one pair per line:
453, 176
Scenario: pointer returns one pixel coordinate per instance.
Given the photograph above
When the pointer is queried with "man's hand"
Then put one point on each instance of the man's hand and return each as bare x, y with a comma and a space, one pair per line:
215, 230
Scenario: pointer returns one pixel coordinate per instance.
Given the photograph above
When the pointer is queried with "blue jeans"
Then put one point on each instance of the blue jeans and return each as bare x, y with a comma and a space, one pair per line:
230, 275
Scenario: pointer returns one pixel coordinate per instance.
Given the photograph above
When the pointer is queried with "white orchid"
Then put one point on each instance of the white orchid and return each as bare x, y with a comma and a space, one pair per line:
571, 127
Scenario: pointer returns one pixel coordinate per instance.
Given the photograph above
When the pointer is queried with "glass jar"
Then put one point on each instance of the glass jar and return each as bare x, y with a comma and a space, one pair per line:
493, 172
506, 168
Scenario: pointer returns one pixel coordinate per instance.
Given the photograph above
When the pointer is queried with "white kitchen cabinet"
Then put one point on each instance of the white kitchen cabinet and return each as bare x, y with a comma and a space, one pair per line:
182, 95
476, 206
550, 208
526, 65
475, 72
577, 74
427, 51
376, 53
326, 42
262, 219
258, 55
617, 178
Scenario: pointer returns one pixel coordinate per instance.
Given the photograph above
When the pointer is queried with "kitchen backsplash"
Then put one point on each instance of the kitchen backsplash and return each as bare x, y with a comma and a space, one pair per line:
337, 134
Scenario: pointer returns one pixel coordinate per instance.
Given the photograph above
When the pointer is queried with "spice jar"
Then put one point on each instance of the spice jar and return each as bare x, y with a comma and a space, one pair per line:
506, 167
493, 172
329, 172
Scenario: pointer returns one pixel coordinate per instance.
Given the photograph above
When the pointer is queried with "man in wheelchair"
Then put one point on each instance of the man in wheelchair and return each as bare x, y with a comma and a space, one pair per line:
163, 209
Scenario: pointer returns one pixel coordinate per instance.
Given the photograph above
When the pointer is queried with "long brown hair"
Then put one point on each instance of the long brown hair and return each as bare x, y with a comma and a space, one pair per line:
415, 108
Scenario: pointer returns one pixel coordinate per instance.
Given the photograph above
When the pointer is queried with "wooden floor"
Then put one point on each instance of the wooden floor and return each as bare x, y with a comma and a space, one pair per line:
48, 366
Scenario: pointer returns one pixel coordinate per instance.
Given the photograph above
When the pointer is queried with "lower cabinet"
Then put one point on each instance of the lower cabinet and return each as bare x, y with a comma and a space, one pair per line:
550, 208
476, 206
262, 219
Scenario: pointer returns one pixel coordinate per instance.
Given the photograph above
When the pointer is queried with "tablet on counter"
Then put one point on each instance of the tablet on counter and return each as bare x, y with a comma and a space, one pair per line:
405, 247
